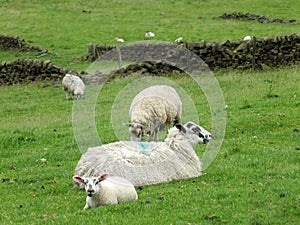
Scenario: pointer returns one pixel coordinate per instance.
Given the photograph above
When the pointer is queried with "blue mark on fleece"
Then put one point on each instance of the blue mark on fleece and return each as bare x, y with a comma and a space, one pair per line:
145, 148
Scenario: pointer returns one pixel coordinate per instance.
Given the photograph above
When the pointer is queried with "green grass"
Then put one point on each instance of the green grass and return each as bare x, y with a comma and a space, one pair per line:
255, 177
253, 180
61, 27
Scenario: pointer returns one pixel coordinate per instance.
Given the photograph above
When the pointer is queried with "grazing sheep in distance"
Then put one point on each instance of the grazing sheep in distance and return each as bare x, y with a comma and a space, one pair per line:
106, 190
149, 35
73, 86
153, 109
146, 163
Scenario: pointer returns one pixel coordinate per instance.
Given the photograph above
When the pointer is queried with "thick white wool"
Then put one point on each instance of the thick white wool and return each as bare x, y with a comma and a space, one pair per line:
154, 109
73, 86
145, 163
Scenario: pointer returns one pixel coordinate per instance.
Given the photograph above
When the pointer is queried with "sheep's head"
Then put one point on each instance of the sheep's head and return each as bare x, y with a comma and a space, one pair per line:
136, 131
77, 95
90, 183
195, 133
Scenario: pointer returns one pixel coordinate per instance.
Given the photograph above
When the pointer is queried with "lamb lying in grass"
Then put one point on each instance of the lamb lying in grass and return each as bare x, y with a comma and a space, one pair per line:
153, 109
146, 163
73, 86
106, 190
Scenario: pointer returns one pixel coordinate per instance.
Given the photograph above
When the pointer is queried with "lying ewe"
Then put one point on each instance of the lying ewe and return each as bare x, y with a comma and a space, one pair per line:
73, 86
247, 38
106, 190
149, 35
146, 163
120, 40
153, 109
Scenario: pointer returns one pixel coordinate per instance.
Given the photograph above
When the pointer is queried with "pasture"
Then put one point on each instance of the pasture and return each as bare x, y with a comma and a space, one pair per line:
255, 176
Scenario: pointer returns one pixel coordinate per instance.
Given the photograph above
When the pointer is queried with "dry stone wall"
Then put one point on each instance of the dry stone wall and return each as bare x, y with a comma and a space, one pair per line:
13, 43
23, 71
258, 53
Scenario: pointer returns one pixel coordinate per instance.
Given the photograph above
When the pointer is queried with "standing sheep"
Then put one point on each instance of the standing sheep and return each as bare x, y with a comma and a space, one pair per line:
106, 190
153, 109
146, 163
73, 86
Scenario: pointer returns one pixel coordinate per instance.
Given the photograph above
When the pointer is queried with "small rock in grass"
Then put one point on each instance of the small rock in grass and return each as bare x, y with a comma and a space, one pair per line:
210, 217
43, 160
5, 180
282, 195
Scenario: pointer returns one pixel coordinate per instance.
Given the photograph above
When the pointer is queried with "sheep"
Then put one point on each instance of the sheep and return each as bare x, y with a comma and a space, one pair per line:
147, 163
153, 109
120, 40
73, 86
149, 34
106, 190
179, 40
247, 38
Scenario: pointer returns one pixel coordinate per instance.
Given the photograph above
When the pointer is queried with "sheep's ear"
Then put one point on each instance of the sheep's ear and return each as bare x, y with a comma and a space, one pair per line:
103, 177
127, 124
78, 179
180, 127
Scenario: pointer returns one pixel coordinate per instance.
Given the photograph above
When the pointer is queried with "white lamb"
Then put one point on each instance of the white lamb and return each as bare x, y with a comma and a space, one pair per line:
153, 109
106, 190
146, 163
73, 86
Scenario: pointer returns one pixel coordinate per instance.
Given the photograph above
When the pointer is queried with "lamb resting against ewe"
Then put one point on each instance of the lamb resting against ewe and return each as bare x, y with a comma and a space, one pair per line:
106, 190
73, 86
146, 163
153, 109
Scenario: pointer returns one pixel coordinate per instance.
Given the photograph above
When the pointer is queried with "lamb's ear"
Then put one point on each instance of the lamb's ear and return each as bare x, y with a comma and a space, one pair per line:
180, 127
78, 179
103, 177
127, 124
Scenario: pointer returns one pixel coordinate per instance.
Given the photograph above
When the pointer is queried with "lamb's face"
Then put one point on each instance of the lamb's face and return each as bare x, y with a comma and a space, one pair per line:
90, 184
196, 134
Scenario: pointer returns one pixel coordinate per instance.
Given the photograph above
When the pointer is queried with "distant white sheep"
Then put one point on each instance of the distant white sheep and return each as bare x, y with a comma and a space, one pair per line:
149, 34
106, 190
179, 40
146, 163
120, 40
73, 86
247, 38
153, 109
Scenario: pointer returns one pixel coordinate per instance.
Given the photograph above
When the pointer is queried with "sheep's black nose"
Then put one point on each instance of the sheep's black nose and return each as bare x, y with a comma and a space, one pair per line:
90, 193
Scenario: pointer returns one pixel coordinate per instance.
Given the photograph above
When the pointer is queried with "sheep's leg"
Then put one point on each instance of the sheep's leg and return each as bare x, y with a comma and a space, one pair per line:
67, 95
86, 206
150, 136
155, 134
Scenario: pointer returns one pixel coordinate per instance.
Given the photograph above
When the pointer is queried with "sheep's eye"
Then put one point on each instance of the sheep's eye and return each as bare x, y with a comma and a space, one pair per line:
201, 135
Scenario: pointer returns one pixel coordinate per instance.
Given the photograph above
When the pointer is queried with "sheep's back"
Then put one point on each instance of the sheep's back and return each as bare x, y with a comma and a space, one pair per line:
142, 163
163, 92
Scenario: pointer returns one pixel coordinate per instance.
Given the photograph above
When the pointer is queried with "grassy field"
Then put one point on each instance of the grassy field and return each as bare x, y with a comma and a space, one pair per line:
255, 177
